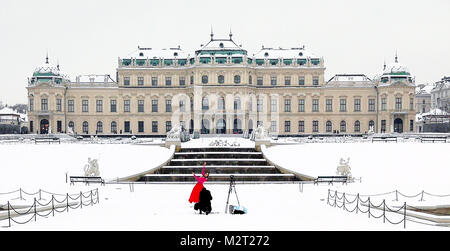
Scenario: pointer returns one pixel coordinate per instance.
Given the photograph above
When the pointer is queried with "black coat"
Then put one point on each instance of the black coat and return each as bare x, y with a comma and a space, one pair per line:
205, 201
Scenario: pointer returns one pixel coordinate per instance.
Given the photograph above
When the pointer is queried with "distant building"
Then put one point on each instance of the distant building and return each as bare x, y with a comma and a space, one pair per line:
423, 98
221, 89
440, 95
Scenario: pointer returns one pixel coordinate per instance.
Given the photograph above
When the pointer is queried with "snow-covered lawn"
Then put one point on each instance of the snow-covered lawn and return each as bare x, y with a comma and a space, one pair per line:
408, 167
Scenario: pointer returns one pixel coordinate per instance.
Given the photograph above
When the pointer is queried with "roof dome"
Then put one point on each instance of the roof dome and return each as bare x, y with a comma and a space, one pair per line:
47, 69
396, 68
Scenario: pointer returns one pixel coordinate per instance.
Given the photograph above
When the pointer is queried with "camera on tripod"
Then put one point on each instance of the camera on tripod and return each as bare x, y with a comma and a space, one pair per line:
234, 209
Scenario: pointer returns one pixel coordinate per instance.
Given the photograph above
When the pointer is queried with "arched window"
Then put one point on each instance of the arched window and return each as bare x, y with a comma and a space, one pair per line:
343, 126
329, 126
237, 103
221, 79
205, 104
99, 127
237, 79
85, 127
357, 126
114, 127
72, 125
221, 104
249, 80
204, 79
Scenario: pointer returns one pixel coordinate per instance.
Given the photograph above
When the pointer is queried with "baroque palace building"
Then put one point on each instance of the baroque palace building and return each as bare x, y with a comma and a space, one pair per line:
220, 89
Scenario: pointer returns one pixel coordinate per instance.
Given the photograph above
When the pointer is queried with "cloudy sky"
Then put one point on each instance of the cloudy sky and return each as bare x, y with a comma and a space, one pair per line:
353, 36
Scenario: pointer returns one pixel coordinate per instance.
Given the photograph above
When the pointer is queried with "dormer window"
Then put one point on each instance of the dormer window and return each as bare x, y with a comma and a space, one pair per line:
221, 45
175, 54
266, 54
300, 54
141, 54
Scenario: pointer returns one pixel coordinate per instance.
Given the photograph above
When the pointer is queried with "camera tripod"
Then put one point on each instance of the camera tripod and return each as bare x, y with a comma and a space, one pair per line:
230, 190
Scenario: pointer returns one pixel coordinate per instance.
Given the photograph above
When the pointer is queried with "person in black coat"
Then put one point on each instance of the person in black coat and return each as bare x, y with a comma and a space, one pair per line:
205, 202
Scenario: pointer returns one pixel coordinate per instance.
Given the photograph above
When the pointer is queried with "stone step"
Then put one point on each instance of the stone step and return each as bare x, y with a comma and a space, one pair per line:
261, 177
218, 149
209, 162
218, 155
217, 169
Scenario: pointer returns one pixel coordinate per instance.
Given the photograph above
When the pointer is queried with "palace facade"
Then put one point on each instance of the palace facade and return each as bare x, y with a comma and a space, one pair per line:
221, 88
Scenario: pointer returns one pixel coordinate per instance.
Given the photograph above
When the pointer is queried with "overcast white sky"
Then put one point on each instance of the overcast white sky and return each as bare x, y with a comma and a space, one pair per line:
353, 36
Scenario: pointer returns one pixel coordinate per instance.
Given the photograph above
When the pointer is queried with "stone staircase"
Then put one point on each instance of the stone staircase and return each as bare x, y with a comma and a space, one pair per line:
246, 164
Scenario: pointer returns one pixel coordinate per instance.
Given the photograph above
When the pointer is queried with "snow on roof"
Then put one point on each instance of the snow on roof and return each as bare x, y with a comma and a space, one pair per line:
395, 68
424, 89
435, 111
349, 80
8, 111
221, 44
93, 78
284, 53
144, 53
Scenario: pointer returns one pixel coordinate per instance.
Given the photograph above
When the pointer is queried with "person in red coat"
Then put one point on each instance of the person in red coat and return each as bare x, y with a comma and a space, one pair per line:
195, 194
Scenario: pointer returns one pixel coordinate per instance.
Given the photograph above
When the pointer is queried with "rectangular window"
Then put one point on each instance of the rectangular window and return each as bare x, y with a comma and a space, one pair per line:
301, 80
273, 80
259, 105
315, 105
273, 105
357, 105
154, 105
140, 126
140, 81
371, 105
99, 105
59, 126
192, 80
31, 106
259, 80
126, 80
168, 81
168, 126
301, 126
127, 126
140, 105
287, 126
113, 105
343, 105
301, 105
411, 103
315, 126
71, 105
126, 105
273, 126
287, 80
168, 105
384, 104
398, 104
329, 105
182, 81
287, 105
44, 104
58, 105
85, 105
315, 80
154, 126
154, 81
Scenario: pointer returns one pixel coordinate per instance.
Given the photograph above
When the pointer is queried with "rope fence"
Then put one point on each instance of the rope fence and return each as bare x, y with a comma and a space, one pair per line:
53, 205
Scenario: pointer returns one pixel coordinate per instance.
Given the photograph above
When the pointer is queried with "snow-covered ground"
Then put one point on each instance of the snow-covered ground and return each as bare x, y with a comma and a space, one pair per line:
406, 167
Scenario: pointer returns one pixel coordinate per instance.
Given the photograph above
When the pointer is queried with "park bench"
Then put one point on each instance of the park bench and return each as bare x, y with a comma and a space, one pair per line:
47, 140
384, 138
330, 179
433, 139
86, 179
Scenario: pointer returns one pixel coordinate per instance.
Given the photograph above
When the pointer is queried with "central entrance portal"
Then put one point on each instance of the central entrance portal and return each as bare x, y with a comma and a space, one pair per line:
398, 125
221, 127
44, 126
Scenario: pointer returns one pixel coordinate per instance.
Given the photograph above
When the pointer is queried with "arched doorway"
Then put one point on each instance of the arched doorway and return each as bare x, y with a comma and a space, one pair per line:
398, 125
221, 126
44, 126
205, 126
237, 126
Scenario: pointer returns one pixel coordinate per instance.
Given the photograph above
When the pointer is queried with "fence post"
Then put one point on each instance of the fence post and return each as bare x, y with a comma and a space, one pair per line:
98, 196
335, 196
81, 199
21, 194
67, 201
9, 215
92, 201
384, 211
368, 211
343, 201
53, 205
35, 213
396, 195
404, 215
421, 198
40, 194
328, 197
357, 203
